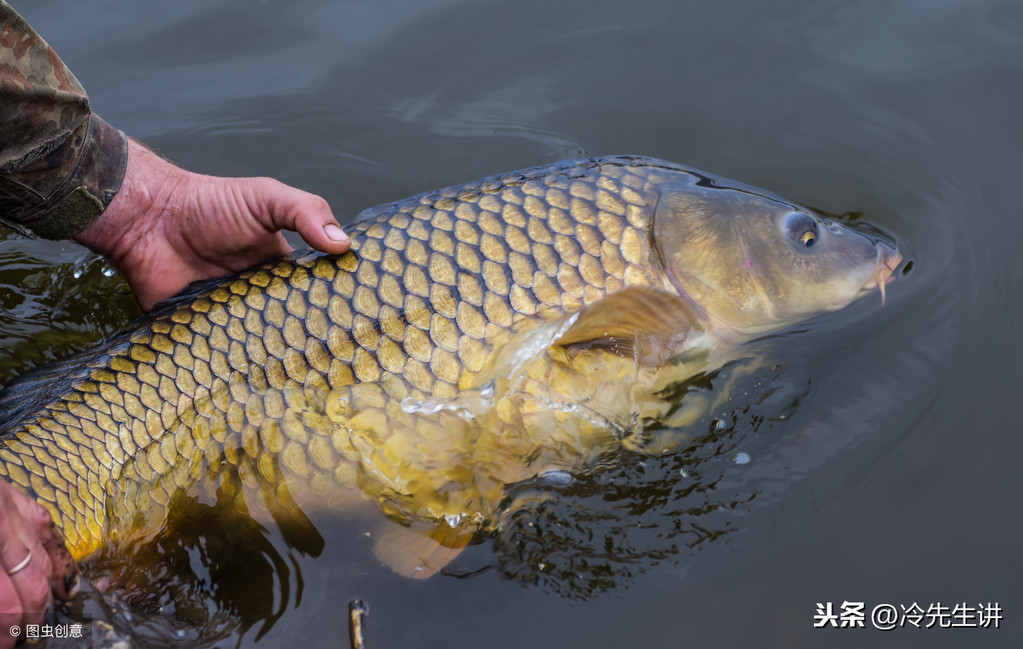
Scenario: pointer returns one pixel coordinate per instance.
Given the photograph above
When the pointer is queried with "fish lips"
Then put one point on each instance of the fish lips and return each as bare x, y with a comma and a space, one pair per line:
888, 260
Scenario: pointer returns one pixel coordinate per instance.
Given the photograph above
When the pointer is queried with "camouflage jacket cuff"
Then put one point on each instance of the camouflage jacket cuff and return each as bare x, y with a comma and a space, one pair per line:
92, 182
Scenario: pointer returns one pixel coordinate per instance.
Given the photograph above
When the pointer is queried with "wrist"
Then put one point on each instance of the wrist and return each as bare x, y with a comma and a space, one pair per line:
137, 207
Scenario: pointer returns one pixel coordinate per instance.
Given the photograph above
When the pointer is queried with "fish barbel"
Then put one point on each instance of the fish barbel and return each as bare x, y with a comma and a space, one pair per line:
470, 338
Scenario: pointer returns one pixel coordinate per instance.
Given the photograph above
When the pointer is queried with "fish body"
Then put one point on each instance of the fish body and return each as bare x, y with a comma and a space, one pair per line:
472, 337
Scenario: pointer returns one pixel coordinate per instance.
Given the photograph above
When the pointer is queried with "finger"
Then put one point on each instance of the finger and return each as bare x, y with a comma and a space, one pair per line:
32, 512
25, 595
23, 521
40, 535
33, 590
308, 214
21, 550
15, 531
10, 610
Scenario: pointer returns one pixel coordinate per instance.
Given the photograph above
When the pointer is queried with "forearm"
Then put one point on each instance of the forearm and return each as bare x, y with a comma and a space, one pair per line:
60, 165
65, 173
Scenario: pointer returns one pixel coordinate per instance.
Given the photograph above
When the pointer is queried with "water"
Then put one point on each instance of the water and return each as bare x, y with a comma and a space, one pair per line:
889, 471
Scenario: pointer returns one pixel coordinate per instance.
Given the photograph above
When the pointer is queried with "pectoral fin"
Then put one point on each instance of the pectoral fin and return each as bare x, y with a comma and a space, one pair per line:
645, 322
418, 554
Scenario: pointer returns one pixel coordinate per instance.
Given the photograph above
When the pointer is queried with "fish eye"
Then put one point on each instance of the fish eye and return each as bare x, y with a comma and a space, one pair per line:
801, 229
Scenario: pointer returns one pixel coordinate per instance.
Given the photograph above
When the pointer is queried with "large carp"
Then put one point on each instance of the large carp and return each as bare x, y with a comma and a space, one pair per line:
471, 338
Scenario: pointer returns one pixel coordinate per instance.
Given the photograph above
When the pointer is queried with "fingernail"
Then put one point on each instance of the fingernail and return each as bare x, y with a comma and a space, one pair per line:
335, 233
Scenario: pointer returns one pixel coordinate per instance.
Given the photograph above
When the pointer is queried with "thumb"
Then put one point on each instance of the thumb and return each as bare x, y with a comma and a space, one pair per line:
288, 208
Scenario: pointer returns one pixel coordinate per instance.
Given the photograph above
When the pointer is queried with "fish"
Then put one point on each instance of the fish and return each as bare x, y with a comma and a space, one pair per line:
473, 337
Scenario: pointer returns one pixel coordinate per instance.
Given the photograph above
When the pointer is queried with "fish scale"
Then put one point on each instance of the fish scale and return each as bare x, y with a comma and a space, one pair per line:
236, 372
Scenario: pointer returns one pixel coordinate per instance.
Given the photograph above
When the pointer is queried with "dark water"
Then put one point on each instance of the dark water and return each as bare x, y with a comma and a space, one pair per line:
883, 457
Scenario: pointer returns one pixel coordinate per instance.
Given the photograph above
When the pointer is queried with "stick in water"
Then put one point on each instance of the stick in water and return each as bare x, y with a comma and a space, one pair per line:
356, 612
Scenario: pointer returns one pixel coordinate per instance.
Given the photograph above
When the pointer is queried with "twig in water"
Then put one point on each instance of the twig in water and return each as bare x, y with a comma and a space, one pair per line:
356, 612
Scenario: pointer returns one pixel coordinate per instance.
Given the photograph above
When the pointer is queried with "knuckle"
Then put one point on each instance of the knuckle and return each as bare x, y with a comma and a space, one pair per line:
319, 203
42, 515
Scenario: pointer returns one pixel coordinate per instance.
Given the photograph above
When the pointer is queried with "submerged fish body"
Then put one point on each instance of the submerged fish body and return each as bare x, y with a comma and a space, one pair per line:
473, 337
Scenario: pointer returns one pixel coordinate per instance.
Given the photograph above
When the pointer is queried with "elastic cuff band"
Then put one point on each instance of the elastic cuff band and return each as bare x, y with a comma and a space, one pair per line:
93, 183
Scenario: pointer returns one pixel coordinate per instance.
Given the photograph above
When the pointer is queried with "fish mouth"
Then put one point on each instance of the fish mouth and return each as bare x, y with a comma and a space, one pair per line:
888, 260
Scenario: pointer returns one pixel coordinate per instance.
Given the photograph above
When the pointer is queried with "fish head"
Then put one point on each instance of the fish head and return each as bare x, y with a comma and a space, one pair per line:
755, 263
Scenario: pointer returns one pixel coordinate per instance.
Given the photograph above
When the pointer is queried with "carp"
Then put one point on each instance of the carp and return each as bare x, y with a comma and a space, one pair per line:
472, 337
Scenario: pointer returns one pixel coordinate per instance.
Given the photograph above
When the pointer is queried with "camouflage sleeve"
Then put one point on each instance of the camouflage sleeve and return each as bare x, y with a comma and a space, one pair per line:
60, 165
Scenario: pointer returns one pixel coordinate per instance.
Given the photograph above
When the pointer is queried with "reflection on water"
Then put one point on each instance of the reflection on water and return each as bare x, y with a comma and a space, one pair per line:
54, 303
212, 570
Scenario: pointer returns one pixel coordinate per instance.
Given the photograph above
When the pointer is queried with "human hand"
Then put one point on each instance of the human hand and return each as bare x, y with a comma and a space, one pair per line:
167, 227
34, 564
